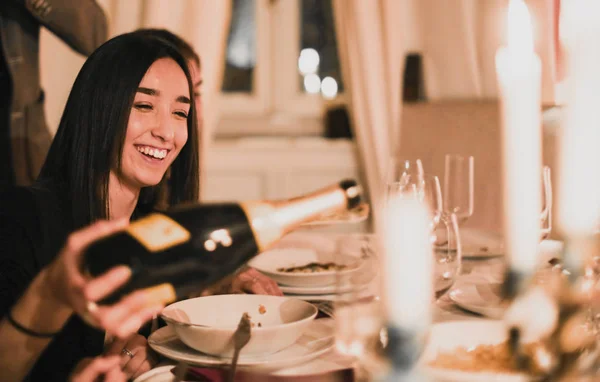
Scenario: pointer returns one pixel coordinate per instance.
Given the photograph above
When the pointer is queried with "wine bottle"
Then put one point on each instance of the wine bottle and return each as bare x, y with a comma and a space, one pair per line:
190, 247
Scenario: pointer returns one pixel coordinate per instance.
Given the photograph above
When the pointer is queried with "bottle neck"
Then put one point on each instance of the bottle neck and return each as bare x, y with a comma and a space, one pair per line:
271, 220
293, 212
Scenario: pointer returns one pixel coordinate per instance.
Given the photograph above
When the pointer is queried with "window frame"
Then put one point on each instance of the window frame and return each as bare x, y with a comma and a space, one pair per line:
277, 104
256, 102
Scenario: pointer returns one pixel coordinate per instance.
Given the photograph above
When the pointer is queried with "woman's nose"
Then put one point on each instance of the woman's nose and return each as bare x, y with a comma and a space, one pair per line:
164, 130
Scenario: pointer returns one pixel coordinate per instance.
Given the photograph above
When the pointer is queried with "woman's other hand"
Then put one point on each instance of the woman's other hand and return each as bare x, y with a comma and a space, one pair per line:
92, 369
71, 288
252, 281
247, 281
136, 357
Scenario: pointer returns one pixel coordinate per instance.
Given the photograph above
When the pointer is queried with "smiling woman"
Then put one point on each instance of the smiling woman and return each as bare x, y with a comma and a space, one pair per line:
127, 144
109, 169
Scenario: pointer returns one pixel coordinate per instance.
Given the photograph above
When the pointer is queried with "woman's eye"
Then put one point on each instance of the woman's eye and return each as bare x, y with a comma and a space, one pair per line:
181, 114
143, 106
198, 94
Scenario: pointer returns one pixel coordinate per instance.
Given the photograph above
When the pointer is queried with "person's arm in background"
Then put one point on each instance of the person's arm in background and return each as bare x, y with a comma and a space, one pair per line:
81, 24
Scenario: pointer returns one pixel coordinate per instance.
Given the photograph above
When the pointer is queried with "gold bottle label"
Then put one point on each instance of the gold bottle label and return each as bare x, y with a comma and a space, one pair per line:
158, 232
161, 294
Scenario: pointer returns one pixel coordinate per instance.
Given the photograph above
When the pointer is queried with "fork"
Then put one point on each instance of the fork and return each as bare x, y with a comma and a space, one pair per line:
180, 371
324, 306
240, 338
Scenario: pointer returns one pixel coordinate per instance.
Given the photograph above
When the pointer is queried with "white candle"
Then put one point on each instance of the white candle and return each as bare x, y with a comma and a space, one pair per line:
408, 263
518, 72
579, 165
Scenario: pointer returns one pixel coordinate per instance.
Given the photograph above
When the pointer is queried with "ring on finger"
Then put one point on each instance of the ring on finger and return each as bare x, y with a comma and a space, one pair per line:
128, 352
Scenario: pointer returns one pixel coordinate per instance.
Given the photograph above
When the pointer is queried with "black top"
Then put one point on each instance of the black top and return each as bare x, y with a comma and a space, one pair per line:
7, 177
34, 223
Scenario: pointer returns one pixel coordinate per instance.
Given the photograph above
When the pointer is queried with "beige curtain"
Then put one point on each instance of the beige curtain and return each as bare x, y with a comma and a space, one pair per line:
371, 51
457, 39
203, 23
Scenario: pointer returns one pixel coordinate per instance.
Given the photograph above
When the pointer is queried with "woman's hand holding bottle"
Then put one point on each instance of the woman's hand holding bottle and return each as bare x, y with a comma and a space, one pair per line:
71, 288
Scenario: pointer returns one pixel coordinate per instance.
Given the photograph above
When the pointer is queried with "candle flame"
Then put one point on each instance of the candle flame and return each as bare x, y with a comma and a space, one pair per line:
520, 34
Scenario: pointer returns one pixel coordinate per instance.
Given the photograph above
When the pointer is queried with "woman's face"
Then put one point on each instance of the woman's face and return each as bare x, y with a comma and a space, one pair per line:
157, 127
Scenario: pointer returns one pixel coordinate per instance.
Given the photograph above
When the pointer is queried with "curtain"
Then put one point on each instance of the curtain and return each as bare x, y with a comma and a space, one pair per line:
371, 54
203, 23
458, 41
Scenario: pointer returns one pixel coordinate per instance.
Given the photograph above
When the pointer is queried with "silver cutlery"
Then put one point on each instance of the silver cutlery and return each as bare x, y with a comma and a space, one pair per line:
240, 338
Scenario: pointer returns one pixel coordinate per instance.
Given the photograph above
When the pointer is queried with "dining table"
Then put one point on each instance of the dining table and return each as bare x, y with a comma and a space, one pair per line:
333, 366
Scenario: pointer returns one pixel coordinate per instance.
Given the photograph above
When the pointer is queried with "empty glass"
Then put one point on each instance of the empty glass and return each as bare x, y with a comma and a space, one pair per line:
448, 256
447, 249
400, 168
358, 313
426, 188
546, 216
459, 186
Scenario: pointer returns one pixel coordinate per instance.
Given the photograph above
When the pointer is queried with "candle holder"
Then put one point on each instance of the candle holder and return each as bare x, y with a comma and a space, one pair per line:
399, 354
548, 336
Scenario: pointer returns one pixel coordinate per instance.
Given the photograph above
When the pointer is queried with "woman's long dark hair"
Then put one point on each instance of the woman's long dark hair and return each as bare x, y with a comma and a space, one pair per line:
183, 46
90, 138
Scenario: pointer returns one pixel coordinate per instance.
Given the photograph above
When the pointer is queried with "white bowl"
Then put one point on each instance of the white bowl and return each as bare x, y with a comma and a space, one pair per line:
269, 263
446, 337
207, 323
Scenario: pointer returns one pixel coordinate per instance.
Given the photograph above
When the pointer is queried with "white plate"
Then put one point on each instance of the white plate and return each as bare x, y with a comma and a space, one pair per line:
270, 261
158, 374
477, 294
446, 337
479, 244
483, 245
314, 297
319, 290
316, 340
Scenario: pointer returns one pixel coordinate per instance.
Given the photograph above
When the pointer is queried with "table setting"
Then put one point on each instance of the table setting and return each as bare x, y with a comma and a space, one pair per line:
344, 300
427, 298
291, 336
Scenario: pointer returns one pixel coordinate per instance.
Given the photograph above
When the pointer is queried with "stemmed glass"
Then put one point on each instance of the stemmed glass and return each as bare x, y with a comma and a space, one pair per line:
546, 215
400, 168
448, 255
459, 186
359, 315
426, 188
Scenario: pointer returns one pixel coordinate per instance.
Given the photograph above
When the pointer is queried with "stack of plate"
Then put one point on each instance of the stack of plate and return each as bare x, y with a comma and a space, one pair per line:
479, 291
316, 340
301, 250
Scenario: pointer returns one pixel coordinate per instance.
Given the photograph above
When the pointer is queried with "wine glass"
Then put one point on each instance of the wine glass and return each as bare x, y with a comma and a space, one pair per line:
448, 256
448, 251
400, 168
359, 314
424, 187
459, 186
546, 215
